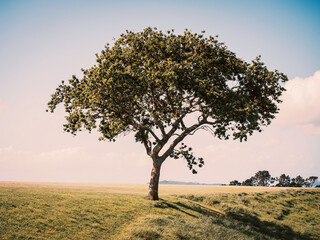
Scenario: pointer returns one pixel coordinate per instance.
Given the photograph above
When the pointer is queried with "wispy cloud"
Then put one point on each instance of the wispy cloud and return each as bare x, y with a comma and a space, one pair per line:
301, 103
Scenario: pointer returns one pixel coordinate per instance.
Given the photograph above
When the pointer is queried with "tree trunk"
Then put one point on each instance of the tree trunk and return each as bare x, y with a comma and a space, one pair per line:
154, 181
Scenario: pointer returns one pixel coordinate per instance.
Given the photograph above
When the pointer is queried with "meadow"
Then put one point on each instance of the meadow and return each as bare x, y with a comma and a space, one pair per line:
120, 211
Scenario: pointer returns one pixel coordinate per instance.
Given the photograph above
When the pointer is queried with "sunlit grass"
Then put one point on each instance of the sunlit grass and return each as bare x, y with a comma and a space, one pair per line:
119, 211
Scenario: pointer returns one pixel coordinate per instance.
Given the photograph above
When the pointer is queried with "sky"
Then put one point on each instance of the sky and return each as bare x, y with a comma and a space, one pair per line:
44, 42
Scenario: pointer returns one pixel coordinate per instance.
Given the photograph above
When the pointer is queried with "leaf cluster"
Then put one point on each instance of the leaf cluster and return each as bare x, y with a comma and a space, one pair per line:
185, 152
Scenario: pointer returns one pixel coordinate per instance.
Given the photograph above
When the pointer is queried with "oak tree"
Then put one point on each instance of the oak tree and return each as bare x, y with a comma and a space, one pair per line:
151, 82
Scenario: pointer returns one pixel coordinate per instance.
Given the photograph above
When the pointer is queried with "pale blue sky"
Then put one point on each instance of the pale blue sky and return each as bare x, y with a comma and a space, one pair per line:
44, 42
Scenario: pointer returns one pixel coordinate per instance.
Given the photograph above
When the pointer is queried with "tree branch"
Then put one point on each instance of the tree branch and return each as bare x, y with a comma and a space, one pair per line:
167, 136
153, 134
185, 133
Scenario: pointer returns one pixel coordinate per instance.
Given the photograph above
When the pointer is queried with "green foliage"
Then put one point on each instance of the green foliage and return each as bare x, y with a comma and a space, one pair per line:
148, 83
186, 153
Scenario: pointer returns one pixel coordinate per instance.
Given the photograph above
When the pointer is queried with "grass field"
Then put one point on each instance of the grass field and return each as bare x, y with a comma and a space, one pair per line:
120, 211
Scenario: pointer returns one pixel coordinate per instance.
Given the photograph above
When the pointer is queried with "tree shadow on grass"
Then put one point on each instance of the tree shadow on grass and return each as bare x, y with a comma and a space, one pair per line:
269, 229
205, 211
192, 209
238, 220
169, 204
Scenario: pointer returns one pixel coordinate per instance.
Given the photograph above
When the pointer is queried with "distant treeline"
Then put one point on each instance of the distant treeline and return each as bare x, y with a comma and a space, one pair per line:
263, 178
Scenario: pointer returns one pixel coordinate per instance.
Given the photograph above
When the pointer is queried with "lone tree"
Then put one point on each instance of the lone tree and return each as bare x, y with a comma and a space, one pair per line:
151, 82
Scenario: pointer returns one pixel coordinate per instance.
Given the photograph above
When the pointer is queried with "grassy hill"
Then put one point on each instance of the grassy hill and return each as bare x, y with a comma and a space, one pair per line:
120, 211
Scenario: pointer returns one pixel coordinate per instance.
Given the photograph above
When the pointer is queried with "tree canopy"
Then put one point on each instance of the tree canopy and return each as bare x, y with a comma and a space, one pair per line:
149, 82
